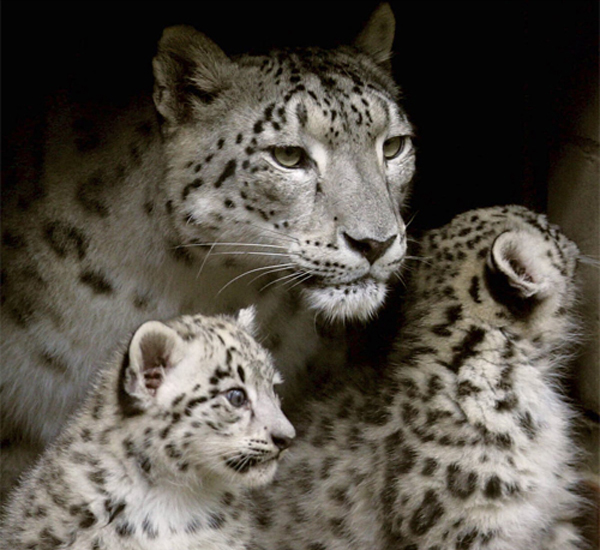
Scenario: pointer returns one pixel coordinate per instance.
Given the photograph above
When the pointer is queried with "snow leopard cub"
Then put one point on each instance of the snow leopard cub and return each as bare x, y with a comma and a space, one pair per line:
160, 453
461, 441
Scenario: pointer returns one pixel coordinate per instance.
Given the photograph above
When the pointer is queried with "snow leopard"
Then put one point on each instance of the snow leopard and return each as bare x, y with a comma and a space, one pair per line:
461, 440
162, 450
276, 180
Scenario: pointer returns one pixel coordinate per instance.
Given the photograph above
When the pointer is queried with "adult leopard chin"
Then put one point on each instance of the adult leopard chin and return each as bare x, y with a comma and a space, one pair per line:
274, 180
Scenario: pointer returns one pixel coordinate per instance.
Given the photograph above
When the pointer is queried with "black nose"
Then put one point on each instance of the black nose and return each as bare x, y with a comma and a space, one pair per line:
281, 441
371, 249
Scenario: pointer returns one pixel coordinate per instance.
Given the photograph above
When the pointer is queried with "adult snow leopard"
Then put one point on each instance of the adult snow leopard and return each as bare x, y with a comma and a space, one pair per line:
160, 453
461, 441
272, 179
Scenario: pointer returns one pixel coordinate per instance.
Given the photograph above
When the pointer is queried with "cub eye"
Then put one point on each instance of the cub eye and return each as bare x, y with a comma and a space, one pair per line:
393, 146
289, 157
237, 397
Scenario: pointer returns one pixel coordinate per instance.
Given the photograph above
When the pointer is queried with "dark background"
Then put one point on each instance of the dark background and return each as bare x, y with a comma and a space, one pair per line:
489, 84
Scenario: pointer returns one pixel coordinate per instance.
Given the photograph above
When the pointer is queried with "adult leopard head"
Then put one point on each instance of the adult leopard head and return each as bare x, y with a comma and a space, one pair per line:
297, 162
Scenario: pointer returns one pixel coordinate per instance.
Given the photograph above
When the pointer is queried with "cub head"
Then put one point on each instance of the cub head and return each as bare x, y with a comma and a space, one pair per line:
291, 168
207, 389
508, 268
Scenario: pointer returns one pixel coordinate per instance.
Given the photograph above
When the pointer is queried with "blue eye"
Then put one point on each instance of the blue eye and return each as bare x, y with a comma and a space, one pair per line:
237, 397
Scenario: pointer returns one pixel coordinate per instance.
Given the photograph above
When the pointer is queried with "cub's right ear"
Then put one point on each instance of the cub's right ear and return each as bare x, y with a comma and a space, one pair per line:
190, 71
153, 351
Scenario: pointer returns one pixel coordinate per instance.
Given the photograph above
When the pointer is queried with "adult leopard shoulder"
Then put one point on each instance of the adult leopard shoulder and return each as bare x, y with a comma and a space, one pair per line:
275, 179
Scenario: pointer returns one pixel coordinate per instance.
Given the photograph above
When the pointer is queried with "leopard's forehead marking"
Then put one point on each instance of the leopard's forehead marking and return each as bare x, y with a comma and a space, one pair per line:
335, 97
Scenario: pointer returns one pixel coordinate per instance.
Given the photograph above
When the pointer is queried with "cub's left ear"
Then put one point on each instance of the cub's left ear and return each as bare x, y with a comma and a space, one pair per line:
377, 36
152, 353
246, 319
514, 255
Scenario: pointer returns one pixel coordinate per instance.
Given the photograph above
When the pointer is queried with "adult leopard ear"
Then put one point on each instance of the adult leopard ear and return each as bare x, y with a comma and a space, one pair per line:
246, 319
153, 351
377, 36
190, 71
516, 271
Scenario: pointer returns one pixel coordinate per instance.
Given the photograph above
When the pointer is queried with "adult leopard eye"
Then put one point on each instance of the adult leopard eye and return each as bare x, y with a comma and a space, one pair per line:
394, 146
237, 397
289, 157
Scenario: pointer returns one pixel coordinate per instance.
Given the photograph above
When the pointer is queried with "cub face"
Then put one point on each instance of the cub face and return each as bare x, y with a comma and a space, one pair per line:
294, 165
208, 388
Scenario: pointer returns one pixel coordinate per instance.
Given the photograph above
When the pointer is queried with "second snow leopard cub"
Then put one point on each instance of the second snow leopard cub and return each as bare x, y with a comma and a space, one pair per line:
161, 452
461, 442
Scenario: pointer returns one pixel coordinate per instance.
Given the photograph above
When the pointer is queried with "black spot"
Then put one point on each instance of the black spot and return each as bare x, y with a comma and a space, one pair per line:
220, 143
461, 484
216, 520
96, 281
198, 182
427, 515
465, 542
125, 529
454, 313
465, 388
180, 254
466, 348
114, 509
48, 541
258, 127
66, 240
53, 362
302, 114
474, 289
228, 171
90, 195
509, 403
192, 403
88, 519
429, 467
229, 203
241, 373
148, 529
528, 426
493, 488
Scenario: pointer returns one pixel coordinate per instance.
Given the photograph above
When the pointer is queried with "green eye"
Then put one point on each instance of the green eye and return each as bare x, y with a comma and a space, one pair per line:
393, 146
289, 157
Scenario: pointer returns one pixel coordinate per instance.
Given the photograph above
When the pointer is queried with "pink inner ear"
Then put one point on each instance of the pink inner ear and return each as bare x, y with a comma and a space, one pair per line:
155, 349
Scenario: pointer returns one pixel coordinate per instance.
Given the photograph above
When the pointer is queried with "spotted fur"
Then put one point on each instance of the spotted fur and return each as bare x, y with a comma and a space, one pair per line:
459, 442
274, 180
163, 448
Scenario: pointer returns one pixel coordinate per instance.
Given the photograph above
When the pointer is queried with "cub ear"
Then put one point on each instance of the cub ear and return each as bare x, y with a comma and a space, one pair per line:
246, 319
514, 257
152, 353
377, 36
189, 70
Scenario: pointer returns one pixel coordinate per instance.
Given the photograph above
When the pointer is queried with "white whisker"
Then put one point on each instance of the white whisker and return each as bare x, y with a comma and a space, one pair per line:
231, 244
204, 262
274, 270
255, 270
292, 275
250, 253
301, 280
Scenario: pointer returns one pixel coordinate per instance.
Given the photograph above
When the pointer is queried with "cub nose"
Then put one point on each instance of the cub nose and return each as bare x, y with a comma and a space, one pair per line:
371, 249
281, 441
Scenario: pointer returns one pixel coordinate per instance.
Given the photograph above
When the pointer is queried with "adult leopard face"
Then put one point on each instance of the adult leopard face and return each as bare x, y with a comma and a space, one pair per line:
295, 164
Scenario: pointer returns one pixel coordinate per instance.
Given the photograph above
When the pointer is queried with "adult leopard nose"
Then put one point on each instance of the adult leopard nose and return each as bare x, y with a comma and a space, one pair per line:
370, 249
